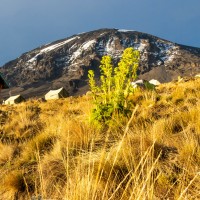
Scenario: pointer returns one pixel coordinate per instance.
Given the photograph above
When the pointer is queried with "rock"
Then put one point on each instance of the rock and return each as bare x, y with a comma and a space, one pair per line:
154, 82
60, 63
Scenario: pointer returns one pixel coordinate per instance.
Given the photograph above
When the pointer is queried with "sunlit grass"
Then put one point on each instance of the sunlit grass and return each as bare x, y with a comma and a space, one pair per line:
52, 150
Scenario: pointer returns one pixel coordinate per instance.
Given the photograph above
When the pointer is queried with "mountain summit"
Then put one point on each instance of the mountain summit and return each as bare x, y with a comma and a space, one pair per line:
65, 63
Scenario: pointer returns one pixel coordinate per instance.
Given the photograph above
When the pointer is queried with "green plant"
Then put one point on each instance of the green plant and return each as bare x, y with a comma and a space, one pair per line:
112, 96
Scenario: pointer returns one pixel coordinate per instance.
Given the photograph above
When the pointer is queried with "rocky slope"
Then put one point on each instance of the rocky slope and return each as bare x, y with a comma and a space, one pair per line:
67, 61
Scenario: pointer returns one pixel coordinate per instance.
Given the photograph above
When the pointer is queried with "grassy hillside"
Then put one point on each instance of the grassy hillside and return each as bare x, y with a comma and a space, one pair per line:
51, 150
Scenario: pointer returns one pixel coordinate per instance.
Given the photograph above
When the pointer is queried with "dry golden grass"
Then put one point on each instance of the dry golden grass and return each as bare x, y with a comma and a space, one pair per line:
51, 150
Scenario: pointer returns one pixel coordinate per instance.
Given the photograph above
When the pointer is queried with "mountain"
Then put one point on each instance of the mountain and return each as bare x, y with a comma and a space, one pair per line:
66, 62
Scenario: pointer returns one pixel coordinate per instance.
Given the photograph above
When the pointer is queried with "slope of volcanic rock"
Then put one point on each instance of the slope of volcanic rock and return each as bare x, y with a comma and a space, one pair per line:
67, 61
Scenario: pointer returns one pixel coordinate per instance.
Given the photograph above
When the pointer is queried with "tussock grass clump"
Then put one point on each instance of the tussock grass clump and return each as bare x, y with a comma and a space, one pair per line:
52, 150
16, 185
22, 123
6, 153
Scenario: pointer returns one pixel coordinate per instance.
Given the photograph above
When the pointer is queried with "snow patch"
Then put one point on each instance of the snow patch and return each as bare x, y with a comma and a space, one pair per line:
83, 47
81, 33
167, 51
88, 44
140, 46
159, 62
50, 48
124, 30
102, 34
110, 46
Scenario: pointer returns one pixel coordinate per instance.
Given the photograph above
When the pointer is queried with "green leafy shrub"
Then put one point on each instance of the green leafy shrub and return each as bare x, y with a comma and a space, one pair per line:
112, 96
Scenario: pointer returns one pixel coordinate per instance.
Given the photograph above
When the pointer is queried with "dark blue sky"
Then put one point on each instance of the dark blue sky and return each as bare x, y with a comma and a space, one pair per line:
27, 24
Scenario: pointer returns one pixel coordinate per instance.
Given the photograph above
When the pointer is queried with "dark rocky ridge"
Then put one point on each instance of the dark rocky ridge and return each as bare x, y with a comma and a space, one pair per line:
66, 62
